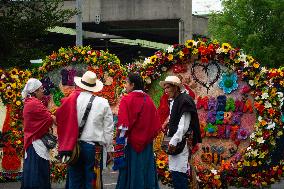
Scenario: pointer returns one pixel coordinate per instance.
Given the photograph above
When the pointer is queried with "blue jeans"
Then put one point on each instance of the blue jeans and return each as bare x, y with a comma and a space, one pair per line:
81, 174
180, 180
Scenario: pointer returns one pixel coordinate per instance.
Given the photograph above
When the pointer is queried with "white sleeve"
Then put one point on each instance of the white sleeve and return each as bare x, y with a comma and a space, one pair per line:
108, 128
182, 128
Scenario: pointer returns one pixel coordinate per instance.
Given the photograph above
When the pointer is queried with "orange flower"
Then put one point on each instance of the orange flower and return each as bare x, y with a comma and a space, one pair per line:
271, 111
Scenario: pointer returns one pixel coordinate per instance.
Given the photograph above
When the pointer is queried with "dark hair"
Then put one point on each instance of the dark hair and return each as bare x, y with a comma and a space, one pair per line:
137, 80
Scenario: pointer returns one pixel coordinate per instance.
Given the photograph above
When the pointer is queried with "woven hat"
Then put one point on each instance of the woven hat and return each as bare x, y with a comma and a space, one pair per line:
89, 82
174, 80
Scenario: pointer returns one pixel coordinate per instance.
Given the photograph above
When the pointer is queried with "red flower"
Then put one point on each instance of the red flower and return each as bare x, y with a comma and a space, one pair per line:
185, 50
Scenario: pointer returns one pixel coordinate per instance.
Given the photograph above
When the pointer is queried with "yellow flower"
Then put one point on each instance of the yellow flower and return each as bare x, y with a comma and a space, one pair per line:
14, 85
170, 57
189, 43
226, 47
256, 65
215, 42
153, 58
83, 52
18, 103
161, 164
2, 85
195, 51
181, 54
18, 141
9, 93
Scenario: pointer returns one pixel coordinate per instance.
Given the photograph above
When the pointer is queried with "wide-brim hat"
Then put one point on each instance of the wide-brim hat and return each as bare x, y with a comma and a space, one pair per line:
174, 80
89, 82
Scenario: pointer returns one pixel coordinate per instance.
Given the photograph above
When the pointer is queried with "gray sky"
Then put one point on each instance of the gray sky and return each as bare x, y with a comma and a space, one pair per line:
205, 6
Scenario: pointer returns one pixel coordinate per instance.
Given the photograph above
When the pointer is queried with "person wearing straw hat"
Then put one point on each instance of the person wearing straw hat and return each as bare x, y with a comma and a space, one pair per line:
97, 130
37, 122
183, 124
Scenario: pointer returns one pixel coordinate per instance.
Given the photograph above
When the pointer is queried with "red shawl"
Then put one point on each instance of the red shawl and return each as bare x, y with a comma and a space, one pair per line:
37, 120
67, 122
140, 117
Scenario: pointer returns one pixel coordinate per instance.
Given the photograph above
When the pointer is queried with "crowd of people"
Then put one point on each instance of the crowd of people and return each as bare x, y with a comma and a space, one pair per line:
87, 120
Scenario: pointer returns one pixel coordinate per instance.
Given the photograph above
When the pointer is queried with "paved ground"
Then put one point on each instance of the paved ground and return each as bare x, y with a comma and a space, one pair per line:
109, 178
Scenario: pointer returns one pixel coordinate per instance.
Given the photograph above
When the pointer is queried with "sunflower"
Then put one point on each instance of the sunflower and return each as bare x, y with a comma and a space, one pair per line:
14, 73
189, 43
226, 47
9, 93
161, 164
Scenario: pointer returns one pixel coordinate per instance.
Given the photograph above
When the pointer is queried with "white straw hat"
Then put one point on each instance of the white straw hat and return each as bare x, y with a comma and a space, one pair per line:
174, 80
89, 82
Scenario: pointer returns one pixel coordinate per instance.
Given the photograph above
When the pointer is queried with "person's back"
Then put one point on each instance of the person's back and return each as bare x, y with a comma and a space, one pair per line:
99, 125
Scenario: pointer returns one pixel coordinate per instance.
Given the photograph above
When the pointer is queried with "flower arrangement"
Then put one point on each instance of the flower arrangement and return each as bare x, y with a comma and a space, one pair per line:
104, 64
266, 86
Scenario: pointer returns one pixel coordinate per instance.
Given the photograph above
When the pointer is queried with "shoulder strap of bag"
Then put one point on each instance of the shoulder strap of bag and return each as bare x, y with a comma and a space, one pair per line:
85, 117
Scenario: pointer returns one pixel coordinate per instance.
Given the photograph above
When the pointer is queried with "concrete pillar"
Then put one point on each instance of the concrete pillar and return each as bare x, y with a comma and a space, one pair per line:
185, 23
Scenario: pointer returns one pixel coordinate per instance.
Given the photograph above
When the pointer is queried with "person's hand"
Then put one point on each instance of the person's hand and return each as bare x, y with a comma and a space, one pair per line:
65, 159
54, 119
171, 148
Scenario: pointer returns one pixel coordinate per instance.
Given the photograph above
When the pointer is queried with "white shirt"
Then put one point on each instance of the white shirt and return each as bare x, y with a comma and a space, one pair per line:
180, 162
99, 125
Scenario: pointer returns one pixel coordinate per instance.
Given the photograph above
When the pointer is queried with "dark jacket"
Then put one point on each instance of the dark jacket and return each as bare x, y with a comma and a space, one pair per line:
184, 103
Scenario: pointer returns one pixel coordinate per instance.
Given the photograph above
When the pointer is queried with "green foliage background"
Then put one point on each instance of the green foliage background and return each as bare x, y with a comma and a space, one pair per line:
256, 26
23, 25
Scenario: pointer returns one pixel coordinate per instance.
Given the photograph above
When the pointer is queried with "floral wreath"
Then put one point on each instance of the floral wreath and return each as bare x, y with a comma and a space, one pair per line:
252, 169
12, 82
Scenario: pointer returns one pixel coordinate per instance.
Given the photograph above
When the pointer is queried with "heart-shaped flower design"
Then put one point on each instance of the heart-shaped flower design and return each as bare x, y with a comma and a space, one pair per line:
206, 68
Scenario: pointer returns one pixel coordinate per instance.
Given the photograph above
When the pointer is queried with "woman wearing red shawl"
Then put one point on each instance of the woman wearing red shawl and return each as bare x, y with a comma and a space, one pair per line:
37, 121
138, 121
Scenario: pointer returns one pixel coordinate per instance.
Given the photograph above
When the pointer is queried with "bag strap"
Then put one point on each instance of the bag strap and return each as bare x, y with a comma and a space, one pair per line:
85, 117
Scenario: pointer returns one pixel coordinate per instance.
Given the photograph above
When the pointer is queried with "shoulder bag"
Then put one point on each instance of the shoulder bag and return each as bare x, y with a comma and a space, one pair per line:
76, 151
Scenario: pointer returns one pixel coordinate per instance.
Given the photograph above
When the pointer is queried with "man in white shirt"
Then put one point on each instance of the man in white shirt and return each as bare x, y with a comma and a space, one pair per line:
98, 130
183, 122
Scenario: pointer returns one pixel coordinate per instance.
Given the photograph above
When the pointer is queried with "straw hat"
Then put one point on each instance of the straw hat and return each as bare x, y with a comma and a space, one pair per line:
174, 80
89, 82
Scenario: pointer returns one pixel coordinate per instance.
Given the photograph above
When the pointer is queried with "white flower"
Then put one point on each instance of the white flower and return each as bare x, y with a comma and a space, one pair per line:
214, 171
243, 57
264, 96
246, 64
267, 104
263, 70
252, 135
260, 140
271, 125
147, 60
249, 148
251, 82
198, 179
195, 43
259, 118
2, 76
256, 98
170, 49
219, 50
254, 152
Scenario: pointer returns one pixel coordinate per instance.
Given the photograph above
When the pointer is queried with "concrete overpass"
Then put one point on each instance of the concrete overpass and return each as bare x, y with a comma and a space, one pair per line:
165, 21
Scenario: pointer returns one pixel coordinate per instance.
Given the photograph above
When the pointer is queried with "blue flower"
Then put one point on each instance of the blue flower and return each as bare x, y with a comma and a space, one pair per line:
228, 82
